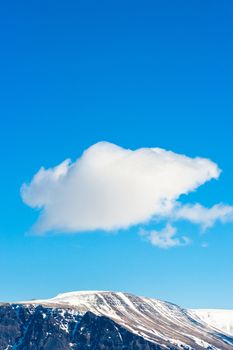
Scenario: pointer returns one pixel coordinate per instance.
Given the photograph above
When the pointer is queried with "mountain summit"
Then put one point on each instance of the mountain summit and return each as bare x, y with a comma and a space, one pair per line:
110, 321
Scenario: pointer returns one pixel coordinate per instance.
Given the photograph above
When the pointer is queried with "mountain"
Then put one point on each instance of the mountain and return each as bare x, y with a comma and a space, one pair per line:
220, 319
108, 321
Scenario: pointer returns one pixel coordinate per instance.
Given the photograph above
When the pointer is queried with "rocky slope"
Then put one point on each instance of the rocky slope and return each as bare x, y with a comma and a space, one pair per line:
105, 321
40, 328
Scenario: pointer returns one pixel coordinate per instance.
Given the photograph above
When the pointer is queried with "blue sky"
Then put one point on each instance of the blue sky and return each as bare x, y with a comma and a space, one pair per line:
137, 74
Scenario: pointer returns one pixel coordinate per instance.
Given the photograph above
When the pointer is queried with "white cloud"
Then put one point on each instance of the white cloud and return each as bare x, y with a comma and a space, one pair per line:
166, 238
206, 217
204, 245
111, 188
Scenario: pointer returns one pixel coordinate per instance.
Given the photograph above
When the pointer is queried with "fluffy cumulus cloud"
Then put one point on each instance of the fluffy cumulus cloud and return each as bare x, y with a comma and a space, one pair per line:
111, 188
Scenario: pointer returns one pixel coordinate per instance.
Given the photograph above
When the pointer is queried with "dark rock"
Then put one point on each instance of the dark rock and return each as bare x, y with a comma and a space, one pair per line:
39, 328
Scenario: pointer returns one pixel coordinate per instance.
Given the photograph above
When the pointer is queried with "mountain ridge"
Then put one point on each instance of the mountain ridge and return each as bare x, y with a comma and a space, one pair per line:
158, 322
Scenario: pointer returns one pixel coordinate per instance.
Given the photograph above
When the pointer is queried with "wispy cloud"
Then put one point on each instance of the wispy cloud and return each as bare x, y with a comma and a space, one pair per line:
166, 238
204, 245
206, 217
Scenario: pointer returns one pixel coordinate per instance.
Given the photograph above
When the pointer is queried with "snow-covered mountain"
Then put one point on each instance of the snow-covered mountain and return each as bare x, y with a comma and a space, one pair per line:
158, 322
216, 318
